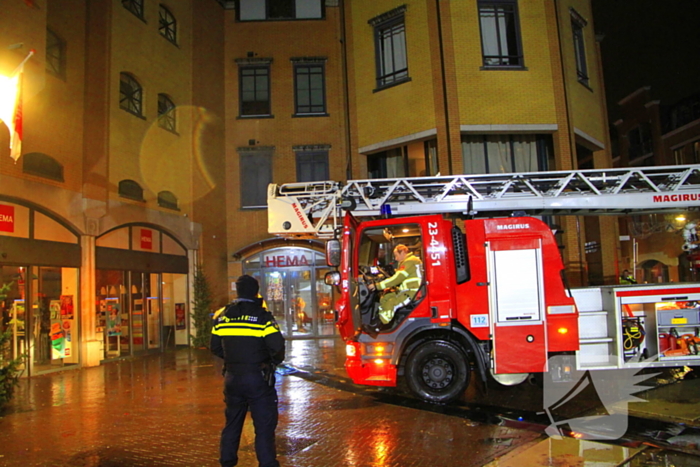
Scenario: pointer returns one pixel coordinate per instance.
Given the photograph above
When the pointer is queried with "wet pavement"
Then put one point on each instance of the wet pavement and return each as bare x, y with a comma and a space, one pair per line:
167, 410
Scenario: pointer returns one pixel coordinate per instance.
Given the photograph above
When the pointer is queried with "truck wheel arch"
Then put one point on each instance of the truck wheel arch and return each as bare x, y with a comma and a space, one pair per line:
455, 334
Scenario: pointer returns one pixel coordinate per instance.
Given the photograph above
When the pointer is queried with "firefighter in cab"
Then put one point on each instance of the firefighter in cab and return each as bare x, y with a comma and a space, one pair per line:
407, 279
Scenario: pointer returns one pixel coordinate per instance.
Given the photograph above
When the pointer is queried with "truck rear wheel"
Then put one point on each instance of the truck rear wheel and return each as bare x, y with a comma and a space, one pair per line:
437, 371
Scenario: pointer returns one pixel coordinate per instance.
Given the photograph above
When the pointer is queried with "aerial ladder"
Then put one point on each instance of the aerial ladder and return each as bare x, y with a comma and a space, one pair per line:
314, 209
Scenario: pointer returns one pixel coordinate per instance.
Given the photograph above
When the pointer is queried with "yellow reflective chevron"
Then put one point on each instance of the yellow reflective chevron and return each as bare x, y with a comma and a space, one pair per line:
244, 328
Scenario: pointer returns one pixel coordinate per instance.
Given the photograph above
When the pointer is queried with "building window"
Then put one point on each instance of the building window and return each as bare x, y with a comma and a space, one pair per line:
167, 26
392, 163
130, 94
431, 158
134, 6
255, 91
689, 154
255, 176
166, 113
577, 25
55, 54
680, 114
390, 47
310, 94
312, 166
42, 165
500, 33
679, 156
272, 10
131, 190
506, 153
167, 200
640, 141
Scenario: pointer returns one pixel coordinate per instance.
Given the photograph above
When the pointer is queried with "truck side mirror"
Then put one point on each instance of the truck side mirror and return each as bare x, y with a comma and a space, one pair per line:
333, 252
332, 278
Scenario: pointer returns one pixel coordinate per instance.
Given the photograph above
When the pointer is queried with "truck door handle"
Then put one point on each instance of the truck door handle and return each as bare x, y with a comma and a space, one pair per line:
481, 284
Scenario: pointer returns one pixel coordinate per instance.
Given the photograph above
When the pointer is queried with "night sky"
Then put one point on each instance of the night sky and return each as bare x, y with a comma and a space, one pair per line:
649, 43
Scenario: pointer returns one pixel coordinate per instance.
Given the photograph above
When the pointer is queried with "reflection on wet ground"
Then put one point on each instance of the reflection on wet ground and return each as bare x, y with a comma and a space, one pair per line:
167, 410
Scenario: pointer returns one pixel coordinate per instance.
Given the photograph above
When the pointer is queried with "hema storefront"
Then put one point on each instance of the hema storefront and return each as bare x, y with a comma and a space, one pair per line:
40, 258
292, 284
138, 273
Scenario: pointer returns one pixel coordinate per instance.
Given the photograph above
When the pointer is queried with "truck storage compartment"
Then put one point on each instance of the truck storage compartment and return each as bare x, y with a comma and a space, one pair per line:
678, 317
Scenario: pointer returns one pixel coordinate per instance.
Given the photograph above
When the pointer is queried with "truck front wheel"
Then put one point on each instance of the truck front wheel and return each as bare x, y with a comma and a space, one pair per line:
437, 371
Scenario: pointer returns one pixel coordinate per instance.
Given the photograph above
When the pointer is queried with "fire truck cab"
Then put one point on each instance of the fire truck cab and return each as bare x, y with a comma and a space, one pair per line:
492, 301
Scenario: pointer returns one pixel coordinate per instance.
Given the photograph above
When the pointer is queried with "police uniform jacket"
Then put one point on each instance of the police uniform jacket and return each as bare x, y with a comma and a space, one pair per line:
246, 335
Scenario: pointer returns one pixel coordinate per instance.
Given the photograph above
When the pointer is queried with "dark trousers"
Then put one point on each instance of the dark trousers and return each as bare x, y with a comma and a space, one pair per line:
241, 391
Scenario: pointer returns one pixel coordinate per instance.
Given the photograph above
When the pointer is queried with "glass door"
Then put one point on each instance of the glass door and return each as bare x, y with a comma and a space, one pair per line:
272, 289
112, 313
12, 306
54, 321
153, 310
325, 315
174, 314
300, 304
136, 302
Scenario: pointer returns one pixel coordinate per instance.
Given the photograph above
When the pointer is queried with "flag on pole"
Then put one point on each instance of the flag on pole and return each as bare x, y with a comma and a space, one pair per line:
11, 106
16, 140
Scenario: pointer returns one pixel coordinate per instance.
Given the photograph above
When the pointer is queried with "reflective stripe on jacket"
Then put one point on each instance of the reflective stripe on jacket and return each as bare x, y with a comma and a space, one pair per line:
243, 326
408, 276
245, 333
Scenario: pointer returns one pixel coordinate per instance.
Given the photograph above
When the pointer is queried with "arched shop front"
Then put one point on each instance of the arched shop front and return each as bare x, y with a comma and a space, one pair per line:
292, 285
40, 258
141, 291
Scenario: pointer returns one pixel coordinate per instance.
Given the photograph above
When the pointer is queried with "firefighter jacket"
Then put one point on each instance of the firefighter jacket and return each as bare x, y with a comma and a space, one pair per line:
247, 335
408, 276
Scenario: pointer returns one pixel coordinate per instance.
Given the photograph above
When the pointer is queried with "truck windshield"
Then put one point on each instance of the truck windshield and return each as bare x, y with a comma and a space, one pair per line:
375, 255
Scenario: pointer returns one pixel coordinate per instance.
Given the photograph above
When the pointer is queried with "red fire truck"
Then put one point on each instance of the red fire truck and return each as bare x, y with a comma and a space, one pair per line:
494, 301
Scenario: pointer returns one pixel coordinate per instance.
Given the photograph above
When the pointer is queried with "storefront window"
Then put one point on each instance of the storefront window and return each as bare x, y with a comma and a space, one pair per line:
292, 285
54, 326
47, 333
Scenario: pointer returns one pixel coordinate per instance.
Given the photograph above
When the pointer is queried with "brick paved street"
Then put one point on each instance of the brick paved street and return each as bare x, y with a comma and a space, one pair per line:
167, 410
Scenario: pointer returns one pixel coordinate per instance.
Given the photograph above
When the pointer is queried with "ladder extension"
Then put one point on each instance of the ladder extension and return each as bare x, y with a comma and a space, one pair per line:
313, 209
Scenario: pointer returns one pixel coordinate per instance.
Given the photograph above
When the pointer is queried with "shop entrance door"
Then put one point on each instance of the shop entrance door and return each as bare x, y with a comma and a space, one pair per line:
288, 295
293, 287
145, 306
136, 305
301, 303
14, 316
153, 311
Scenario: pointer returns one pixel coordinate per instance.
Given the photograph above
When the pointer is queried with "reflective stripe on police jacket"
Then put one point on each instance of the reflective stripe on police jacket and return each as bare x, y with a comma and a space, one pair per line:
244, 326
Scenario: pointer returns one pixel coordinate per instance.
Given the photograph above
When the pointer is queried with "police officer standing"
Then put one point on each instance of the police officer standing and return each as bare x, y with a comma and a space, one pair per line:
247, 337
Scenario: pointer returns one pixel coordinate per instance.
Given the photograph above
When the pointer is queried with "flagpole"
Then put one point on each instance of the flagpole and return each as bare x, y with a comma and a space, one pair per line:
19, 67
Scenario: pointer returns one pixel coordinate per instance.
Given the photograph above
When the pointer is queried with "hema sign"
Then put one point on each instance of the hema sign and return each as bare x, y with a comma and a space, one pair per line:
7, 218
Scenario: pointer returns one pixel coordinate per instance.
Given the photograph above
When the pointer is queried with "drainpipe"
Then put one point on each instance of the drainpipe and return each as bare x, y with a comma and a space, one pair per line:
444, 88
344, 52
